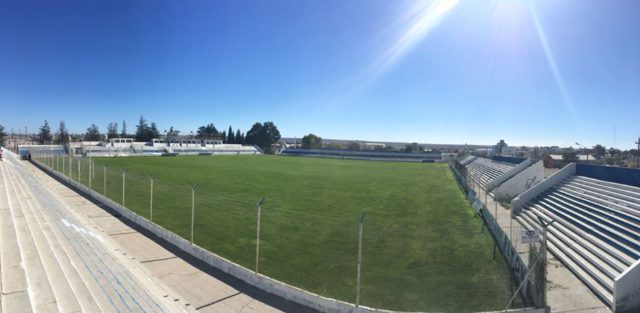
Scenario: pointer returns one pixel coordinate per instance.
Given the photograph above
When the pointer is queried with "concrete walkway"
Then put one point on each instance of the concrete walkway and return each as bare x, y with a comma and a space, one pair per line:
61, 253
565, 292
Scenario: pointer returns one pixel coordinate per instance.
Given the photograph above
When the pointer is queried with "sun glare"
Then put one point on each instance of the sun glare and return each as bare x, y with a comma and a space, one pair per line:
423, 18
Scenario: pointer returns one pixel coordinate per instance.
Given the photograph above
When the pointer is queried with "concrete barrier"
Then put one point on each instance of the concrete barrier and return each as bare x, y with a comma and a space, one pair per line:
552, 180
626, 290
512, 172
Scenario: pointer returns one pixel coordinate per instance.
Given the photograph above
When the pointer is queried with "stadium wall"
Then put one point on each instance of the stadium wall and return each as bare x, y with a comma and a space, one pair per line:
504, 177
620, 175
626, 290
555, 178
521, 182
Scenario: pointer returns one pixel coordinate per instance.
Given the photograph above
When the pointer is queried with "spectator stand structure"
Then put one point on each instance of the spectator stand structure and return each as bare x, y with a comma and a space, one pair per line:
365, 155
597, 230
502, 178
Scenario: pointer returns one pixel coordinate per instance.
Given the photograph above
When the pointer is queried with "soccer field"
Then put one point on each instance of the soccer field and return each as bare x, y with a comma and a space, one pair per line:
423, 250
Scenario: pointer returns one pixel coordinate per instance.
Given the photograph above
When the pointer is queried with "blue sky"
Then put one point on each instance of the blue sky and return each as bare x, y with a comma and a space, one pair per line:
544, 72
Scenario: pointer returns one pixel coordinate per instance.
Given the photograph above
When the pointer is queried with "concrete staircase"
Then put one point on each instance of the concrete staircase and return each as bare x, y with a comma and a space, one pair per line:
49, 259
597, 229
484, 171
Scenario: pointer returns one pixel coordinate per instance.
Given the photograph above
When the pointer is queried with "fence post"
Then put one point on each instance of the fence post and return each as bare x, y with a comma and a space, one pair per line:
79, 172
361, 224
90, 176
151, 201
63, 167
123, 185
70, 167
258, 233
193, 209
104, 181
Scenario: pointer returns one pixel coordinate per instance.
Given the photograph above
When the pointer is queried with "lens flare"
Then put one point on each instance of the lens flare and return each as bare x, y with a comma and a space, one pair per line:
552, 61
423, 18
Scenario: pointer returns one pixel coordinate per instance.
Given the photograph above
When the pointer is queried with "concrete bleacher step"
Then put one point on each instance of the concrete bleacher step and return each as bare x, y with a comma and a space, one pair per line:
598, 259
586, 277
41, 294
604, 254
115, 287
602, 293
634, 191
618, 204
616, 225
623, 242
64, 294
624, 219
596, 266
71, 291
13, 280
616, 258
629, 196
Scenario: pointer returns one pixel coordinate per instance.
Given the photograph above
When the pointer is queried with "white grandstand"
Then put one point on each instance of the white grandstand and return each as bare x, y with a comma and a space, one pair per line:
596, 233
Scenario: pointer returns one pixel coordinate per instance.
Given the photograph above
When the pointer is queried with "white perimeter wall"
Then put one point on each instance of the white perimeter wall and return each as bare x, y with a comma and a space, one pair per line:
521, 182
626, 290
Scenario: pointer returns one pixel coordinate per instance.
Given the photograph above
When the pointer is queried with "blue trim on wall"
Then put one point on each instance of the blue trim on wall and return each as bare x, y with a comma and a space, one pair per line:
621, 175
508, 159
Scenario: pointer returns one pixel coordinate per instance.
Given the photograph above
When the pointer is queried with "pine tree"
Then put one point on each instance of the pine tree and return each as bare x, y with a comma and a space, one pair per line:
123, 133
63, 134
239, 137
230, 136
142, 130
45, 133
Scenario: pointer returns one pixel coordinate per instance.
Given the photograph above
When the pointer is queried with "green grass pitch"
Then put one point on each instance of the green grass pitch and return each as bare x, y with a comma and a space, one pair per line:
423, 249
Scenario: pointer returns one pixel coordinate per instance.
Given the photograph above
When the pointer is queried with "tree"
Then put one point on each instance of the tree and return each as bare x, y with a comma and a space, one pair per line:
142, 130
239, 139
230, 136
224, 137
153, 132
311, 141
500, 146
173, 132
112, 130
45, 133
600, 151
263, 135
3, 135
92, 134
63, 134
123, 133
570, 155
207, 131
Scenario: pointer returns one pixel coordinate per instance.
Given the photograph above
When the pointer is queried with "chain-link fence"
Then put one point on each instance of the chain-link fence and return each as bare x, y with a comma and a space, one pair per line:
506, 239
